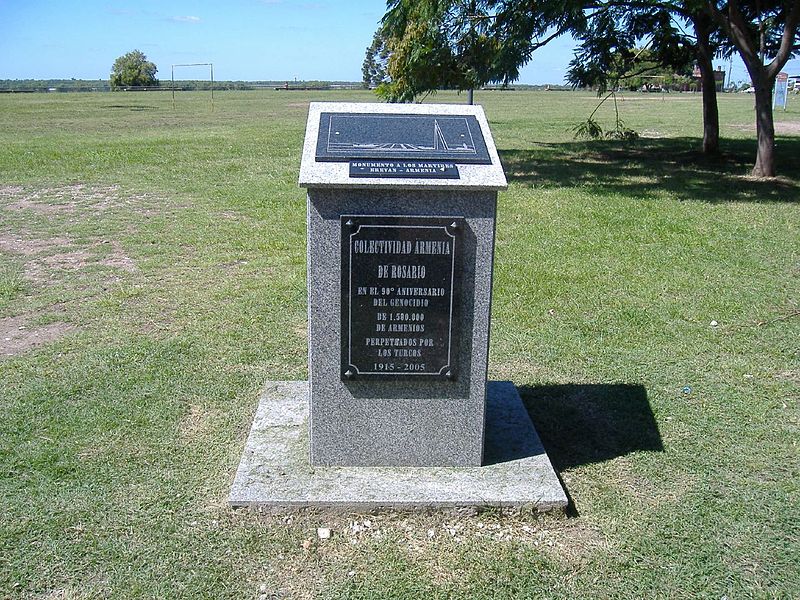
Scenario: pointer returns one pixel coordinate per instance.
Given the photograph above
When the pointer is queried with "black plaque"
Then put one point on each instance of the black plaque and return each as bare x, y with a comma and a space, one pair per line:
400, 291
415, 169
349, 136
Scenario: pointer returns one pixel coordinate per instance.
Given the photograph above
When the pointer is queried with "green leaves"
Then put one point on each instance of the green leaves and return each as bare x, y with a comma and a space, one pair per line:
133, 69
373, 70
435, 44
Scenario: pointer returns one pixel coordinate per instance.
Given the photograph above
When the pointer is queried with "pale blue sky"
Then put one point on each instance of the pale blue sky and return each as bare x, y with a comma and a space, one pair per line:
245, 39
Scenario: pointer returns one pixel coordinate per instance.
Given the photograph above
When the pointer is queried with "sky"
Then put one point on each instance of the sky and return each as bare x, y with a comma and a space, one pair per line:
279, 40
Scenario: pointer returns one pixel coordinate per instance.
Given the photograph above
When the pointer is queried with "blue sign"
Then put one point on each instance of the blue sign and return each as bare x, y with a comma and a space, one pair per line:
781, 91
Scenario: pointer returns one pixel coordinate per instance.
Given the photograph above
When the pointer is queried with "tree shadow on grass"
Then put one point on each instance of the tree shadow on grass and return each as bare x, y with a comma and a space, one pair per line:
133, 107
584, 424
647, 168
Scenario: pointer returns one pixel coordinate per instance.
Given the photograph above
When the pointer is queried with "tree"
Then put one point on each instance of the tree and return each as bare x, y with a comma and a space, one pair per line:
432, 45
373, 70
462, 44
133, 69
645, 69
608, 52
465, 43
705, 48
759, 30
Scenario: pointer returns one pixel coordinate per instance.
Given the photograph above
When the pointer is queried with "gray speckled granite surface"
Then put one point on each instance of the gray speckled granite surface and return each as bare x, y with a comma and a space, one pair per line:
384, 423
336, 174
274, 471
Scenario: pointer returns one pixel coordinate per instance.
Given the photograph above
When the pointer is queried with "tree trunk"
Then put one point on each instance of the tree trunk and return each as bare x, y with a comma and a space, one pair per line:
702, 25
710, 109
470, 96
765, 127
734, 24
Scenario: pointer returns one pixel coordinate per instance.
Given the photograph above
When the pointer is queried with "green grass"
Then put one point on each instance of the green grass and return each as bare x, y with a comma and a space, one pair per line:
12, 282
173, 243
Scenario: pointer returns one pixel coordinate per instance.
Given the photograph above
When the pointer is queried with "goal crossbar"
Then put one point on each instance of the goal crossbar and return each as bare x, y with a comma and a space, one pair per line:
210, 65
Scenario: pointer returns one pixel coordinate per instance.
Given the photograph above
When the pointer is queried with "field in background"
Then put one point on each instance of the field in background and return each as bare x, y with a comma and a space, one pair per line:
152, 278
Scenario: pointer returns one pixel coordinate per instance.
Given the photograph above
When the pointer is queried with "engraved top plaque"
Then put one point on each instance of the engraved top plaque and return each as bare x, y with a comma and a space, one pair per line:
347, 136
400, 280
399, 146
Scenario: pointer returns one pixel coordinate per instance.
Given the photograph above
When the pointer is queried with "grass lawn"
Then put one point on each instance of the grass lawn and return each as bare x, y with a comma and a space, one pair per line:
152, 278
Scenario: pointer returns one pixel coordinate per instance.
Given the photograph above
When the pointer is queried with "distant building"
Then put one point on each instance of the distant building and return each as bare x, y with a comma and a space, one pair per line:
719, 78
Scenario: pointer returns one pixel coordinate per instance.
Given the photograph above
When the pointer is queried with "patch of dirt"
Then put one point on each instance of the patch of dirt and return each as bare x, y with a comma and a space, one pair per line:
781, 127
94, 587
77, 197
68, 198
781, 179
793, 376
41, 268
30, 247
10, 191
76, 259
790, 127
195, 422
118, 259
433, 541
17, 336
232, 266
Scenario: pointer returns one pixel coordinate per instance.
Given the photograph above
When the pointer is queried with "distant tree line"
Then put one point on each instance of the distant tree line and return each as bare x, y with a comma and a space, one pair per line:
104, 85
54, 85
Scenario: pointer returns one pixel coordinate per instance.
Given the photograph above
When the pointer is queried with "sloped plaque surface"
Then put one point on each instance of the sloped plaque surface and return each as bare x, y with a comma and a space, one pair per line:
348, 136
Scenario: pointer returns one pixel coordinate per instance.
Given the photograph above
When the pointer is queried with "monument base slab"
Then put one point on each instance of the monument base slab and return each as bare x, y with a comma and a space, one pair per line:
275, 472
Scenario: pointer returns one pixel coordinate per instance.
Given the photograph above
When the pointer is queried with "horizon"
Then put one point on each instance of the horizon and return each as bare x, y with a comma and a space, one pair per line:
246, 40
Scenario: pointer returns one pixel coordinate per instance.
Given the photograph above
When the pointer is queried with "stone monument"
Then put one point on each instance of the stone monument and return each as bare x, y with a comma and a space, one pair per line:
397, 410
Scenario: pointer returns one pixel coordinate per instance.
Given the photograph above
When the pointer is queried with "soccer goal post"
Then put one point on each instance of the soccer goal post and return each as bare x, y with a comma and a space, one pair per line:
211, 68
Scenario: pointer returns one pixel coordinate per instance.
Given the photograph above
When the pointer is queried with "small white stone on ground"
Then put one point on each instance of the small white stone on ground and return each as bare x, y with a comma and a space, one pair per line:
323, 533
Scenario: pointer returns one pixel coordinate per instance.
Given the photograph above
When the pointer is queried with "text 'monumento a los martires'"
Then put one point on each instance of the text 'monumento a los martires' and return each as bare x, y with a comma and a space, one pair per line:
400, 284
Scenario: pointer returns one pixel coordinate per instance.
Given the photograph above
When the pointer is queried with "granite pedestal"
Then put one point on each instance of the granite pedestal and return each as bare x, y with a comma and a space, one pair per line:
397, 411
275, 474
398, 420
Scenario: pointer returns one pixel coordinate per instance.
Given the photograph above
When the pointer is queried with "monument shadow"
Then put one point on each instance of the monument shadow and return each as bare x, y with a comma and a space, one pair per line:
576, 425
591, 423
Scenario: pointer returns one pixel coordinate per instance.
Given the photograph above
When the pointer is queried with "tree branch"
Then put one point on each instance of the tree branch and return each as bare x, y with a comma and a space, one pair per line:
538, 44
734, 27
787, 41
